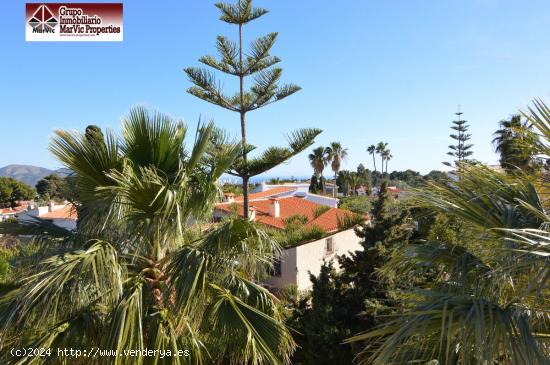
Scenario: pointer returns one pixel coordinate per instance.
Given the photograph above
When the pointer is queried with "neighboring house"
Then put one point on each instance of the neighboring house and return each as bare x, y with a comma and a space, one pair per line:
7, 213
362, 190
62, 215
395, 191
392, 190
300, 190
271, 208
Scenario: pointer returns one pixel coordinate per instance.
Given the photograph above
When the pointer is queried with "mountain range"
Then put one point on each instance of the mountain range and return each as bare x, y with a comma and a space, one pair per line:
30, 174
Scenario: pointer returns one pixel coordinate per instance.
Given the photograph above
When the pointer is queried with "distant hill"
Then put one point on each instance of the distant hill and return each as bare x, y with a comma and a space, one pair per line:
30, 174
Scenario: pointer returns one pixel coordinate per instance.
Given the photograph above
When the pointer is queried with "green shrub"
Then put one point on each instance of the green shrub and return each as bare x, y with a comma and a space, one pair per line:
296, 232
320, 210
295, 219
358, 204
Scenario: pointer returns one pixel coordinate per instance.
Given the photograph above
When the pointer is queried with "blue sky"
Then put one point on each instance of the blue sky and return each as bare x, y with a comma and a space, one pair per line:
370, 71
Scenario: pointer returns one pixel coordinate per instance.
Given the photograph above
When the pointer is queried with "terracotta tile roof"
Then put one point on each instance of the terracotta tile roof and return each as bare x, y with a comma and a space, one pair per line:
13, 210
268, 193
290, 206
67, 212
393, 189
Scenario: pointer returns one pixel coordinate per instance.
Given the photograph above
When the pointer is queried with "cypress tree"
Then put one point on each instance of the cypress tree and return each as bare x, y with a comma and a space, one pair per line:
256, 63
461, 150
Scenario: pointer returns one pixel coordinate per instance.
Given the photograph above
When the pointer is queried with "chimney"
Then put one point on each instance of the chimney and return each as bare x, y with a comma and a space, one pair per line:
274, 208
229, 197
252, 213
262, 186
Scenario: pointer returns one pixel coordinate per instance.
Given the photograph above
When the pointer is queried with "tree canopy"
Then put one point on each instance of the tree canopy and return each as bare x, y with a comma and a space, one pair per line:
12, 191
52, 187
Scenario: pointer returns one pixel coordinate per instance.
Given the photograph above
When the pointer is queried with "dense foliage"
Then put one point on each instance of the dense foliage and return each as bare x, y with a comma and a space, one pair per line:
344, 303
12, 191
135, 275
468, 286
358, 204
486, 255
52, 187
513, 142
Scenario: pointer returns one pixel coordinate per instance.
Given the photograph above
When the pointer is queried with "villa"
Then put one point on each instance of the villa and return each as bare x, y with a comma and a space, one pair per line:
62, 215
273, 207
8, 213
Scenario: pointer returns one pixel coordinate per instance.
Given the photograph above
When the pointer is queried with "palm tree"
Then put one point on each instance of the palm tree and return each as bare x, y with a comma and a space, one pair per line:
511, 141
380, 148
387, 156
491, 303
318, 160
371, 150
335, 154
355, 181
344, 178
135, 274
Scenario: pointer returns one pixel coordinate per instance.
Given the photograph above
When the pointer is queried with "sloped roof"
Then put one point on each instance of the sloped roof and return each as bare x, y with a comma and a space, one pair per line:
290, 206
67, 212
14, 210
267, 194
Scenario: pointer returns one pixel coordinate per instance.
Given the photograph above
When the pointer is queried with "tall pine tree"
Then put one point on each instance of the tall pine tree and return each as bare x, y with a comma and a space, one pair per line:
461, 150
258, 64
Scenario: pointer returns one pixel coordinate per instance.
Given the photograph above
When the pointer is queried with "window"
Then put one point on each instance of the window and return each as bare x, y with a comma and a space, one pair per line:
329, 246
276, 268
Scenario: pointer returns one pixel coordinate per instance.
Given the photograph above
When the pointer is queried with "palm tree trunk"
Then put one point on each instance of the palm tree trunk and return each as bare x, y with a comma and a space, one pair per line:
386, 166
374, 161
243, 124
153, 273
335, 188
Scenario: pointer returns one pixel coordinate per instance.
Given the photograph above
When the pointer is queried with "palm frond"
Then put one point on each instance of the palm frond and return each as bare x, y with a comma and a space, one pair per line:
126, 331
245, 244
153, 140
457, 328
485, 198
64, 285
188, 270
255, 337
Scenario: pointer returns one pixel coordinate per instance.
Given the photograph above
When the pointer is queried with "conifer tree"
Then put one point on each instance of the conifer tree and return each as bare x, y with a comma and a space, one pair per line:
461, 150
347, 302
386, 230
256, 63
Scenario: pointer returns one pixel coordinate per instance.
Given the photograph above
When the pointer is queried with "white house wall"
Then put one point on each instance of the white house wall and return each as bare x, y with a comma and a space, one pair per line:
288, 270
298, 262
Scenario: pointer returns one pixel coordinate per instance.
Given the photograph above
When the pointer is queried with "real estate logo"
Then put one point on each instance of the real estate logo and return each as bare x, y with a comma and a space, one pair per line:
74, 22
43, 20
